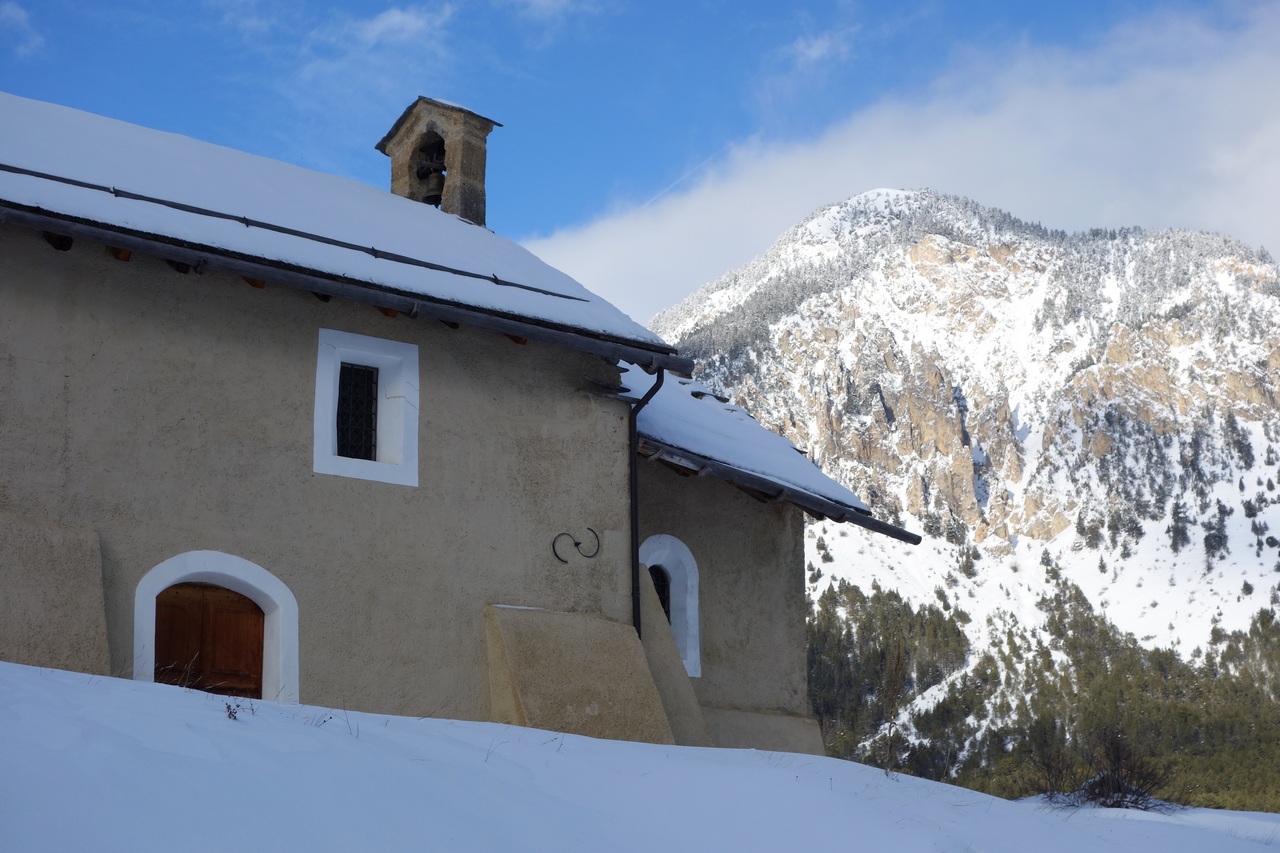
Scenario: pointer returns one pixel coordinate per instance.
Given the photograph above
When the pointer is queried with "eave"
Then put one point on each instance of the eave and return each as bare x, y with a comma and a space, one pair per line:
205, 257
765, 489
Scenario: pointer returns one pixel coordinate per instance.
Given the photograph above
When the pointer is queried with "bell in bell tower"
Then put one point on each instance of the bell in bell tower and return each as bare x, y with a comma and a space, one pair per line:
428, 170
438, 153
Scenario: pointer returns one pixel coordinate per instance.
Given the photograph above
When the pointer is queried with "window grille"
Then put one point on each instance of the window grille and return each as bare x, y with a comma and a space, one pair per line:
358, 411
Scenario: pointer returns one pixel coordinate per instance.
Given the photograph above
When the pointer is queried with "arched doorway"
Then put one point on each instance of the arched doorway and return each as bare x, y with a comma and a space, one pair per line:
279, 614
209, 638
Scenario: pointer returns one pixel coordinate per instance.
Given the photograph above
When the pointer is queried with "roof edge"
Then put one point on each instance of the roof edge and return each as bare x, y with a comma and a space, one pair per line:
299, 278
381, 147
807, 501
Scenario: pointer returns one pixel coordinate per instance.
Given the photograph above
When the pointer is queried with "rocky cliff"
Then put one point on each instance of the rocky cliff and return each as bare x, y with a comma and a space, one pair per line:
1105, 402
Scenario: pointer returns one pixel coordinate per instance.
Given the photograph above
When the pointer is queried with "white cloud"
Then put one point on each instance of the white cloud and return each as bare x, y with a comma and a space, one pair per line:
795, 70
242, 15
1170, 121
394, 26
550, 9
809, 50
544, 23
15, 24
344, 81
348, 39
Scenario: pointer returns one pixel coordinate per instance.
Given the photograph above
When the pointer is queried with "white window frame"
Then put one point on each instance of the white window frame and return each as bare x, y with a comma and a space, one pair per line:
675, 558
397, 364
279, 610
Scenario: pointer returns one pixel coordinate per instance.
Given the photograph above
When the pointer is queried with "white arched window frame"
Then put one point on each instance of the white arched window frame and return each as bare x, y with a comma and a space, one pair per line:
675, 558
279, 607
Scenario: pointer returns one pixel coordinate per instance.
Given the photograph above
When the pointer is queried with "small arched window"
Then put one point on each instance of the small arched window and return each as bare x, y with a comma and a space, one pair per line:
674, 561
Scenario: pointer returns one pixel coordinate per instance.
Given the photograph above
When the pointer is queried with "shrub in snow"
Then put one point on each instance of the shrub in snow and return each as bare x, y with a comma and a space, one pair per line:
1123, 777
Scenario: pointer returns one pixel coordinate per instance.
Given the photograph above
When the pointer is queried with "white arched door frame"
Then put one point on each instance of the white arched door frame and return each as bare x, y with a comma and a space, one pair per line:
279, 607
675, 558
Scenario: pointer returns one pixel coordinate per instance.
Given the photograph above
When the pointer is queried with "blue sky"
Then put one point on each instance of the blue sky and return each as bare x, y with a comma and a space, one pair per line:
649, 146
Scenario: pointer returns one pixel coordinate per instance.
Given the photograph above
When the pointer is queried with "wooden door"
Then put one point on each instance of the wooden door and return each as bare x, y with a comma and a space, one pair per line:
209, 638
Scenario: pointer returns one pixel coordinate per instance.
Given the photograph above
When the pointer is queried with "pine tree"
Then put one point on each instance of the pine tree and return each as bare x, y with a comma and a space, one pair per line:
1179, 537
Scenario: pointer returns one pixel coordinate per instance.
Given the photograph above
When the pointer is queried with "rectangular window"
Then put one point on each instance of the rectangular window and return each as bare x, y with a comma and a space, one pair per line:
366, 415
358, 411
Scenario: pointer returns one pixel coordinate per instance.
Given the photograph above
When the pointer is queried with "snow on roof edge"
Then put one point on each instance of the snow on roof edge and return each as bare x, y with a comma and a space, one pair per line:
399, 122
686, 417
408, 302
149, 182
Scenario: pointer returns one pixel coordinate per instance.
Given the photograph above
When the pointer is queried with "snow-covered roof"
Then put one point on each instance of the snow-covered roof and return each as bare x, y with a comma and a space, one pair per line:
687, 425
207, 205
201, 203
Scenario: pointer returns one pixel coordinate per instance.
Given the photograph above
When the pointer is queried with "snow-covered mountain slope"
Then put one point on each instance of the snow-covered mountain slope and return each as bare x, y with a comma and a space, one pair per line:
1110, 398
102, 764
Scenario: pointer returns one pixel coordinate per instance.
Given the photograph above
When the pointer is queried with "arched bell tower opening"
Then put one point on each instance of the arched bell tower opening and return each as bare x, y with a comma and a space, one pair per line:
438, 153
429, 170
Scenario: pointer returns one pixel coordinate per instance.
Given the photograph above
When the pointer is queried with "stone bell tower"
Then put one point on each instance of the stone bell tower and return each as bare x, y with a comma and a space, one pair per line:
437, 153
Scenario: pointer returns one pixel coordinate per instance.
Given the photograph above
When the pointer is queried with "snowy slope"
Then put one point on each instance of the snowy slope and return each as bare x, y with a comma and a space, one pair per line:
102, 764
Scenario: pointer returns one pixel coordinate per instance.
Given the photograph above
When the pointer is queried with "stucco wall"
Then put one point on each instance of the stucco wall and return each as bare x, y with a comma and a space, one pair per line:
775, 731
750, 558
572, 672
173, 413
47, 568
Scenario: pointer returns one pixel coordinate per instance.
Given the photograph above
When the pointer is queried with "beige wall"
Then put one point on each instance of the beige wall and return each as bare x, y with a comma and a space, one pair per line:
172, 413
774, 731
51, 569
750, 558
572, 672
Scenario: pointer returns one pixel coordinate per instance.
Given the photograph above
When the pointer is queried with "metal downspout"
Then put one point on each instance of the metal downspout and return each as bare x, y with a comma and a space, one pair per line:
634, 444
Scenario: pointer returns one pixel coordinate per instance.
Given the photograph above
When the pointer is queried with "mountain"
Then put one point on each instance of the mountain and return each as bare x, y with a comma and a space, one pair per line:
1088, 417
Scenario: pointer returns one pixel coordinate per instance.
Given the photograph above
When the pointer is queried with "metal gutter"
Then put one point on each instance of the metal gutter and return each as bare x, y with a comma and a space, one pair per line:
633, 443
